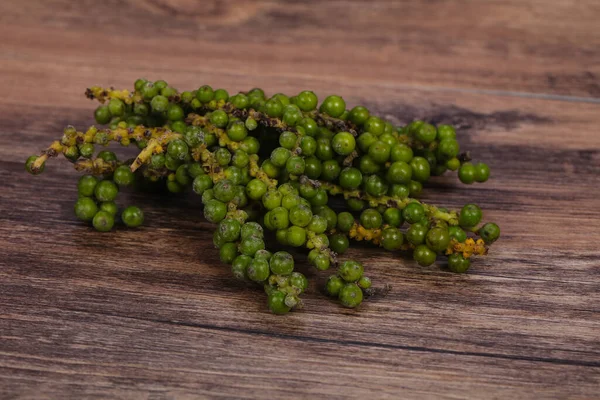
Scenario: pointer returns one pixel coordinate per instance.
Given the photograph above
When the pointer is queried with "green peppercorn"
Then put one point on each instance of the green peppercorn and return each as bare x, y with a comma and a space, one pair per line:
489, 232
351, 295
470, 216
350, 178
392, 239
416, 234
85, 209
239, 266
214, 210
393, 217
457, 233
86, 185
282, 263
258, 270
413, 212
424, 256
467, 173
123, 176
437, 239
106, 191
276, 302
457, 263
482, 172
334, 285
351, 271
333, 105
296, 236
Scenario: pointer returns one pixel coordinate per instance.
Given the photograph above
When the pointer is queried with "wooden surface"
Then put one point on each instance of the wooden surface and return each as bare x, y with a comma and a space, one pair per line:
152, 314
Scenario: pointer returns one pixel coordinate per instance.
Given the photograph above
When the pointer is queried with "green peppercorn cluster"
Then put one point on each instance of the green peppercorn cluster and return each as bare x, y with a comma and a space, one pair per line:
267, 170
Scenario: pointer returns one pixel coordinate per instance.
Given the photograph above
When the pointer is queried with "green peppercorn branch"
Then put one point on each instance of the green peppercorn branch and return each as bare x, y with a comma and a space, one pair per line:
274, 164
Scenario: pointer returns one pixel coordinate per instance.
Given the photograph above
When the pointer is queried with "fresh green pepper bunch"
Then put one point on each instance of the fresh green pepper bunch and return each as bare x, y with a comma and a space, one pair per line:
272, 166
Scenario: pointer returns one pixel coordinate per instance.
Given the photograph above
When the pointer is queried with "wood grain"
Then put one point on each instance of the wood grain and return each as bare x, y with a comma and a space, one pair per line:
506, 45
152, 314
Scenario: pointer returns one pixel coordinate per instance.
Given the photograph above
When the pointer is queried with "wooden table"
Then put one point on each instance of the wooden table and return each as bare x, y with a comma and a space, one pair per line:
152, 314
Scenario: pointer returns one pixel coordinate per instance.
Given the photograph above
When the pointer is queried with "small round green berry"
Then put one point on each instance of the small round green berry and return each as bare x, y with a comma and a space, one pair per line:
228, 252
276, 302
371, 219
215, 210
426, 133
399, 173
364, 282
258, 270
467, 173
239, 266
359, 115
132, 216
85, 208
87, 185
489, 232
392, 239
201, 183
116, 107
445, 132
415, 189
256, 189
339, 243
317, 224
457, 263
251, 229
447, 149
482, 172
86, 150
229, 229
106, 191
413, 212
453, 164
279, 218
333, 106
296, 236
375, 125
379, 152
470, 216
393, 217
123, 176
421, 170
306, 100
299, 281
437, 239
102, 115
107, 156
351, 295
251, 244
205, 94
178, 149
424, 256
282, 263
159, 104
401, 152
351, 271
103, 221
350, 178
295, 165
343, 143
416, 234
219, 118
149, 90
457, 233
334, 285
109, 207
221, 94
